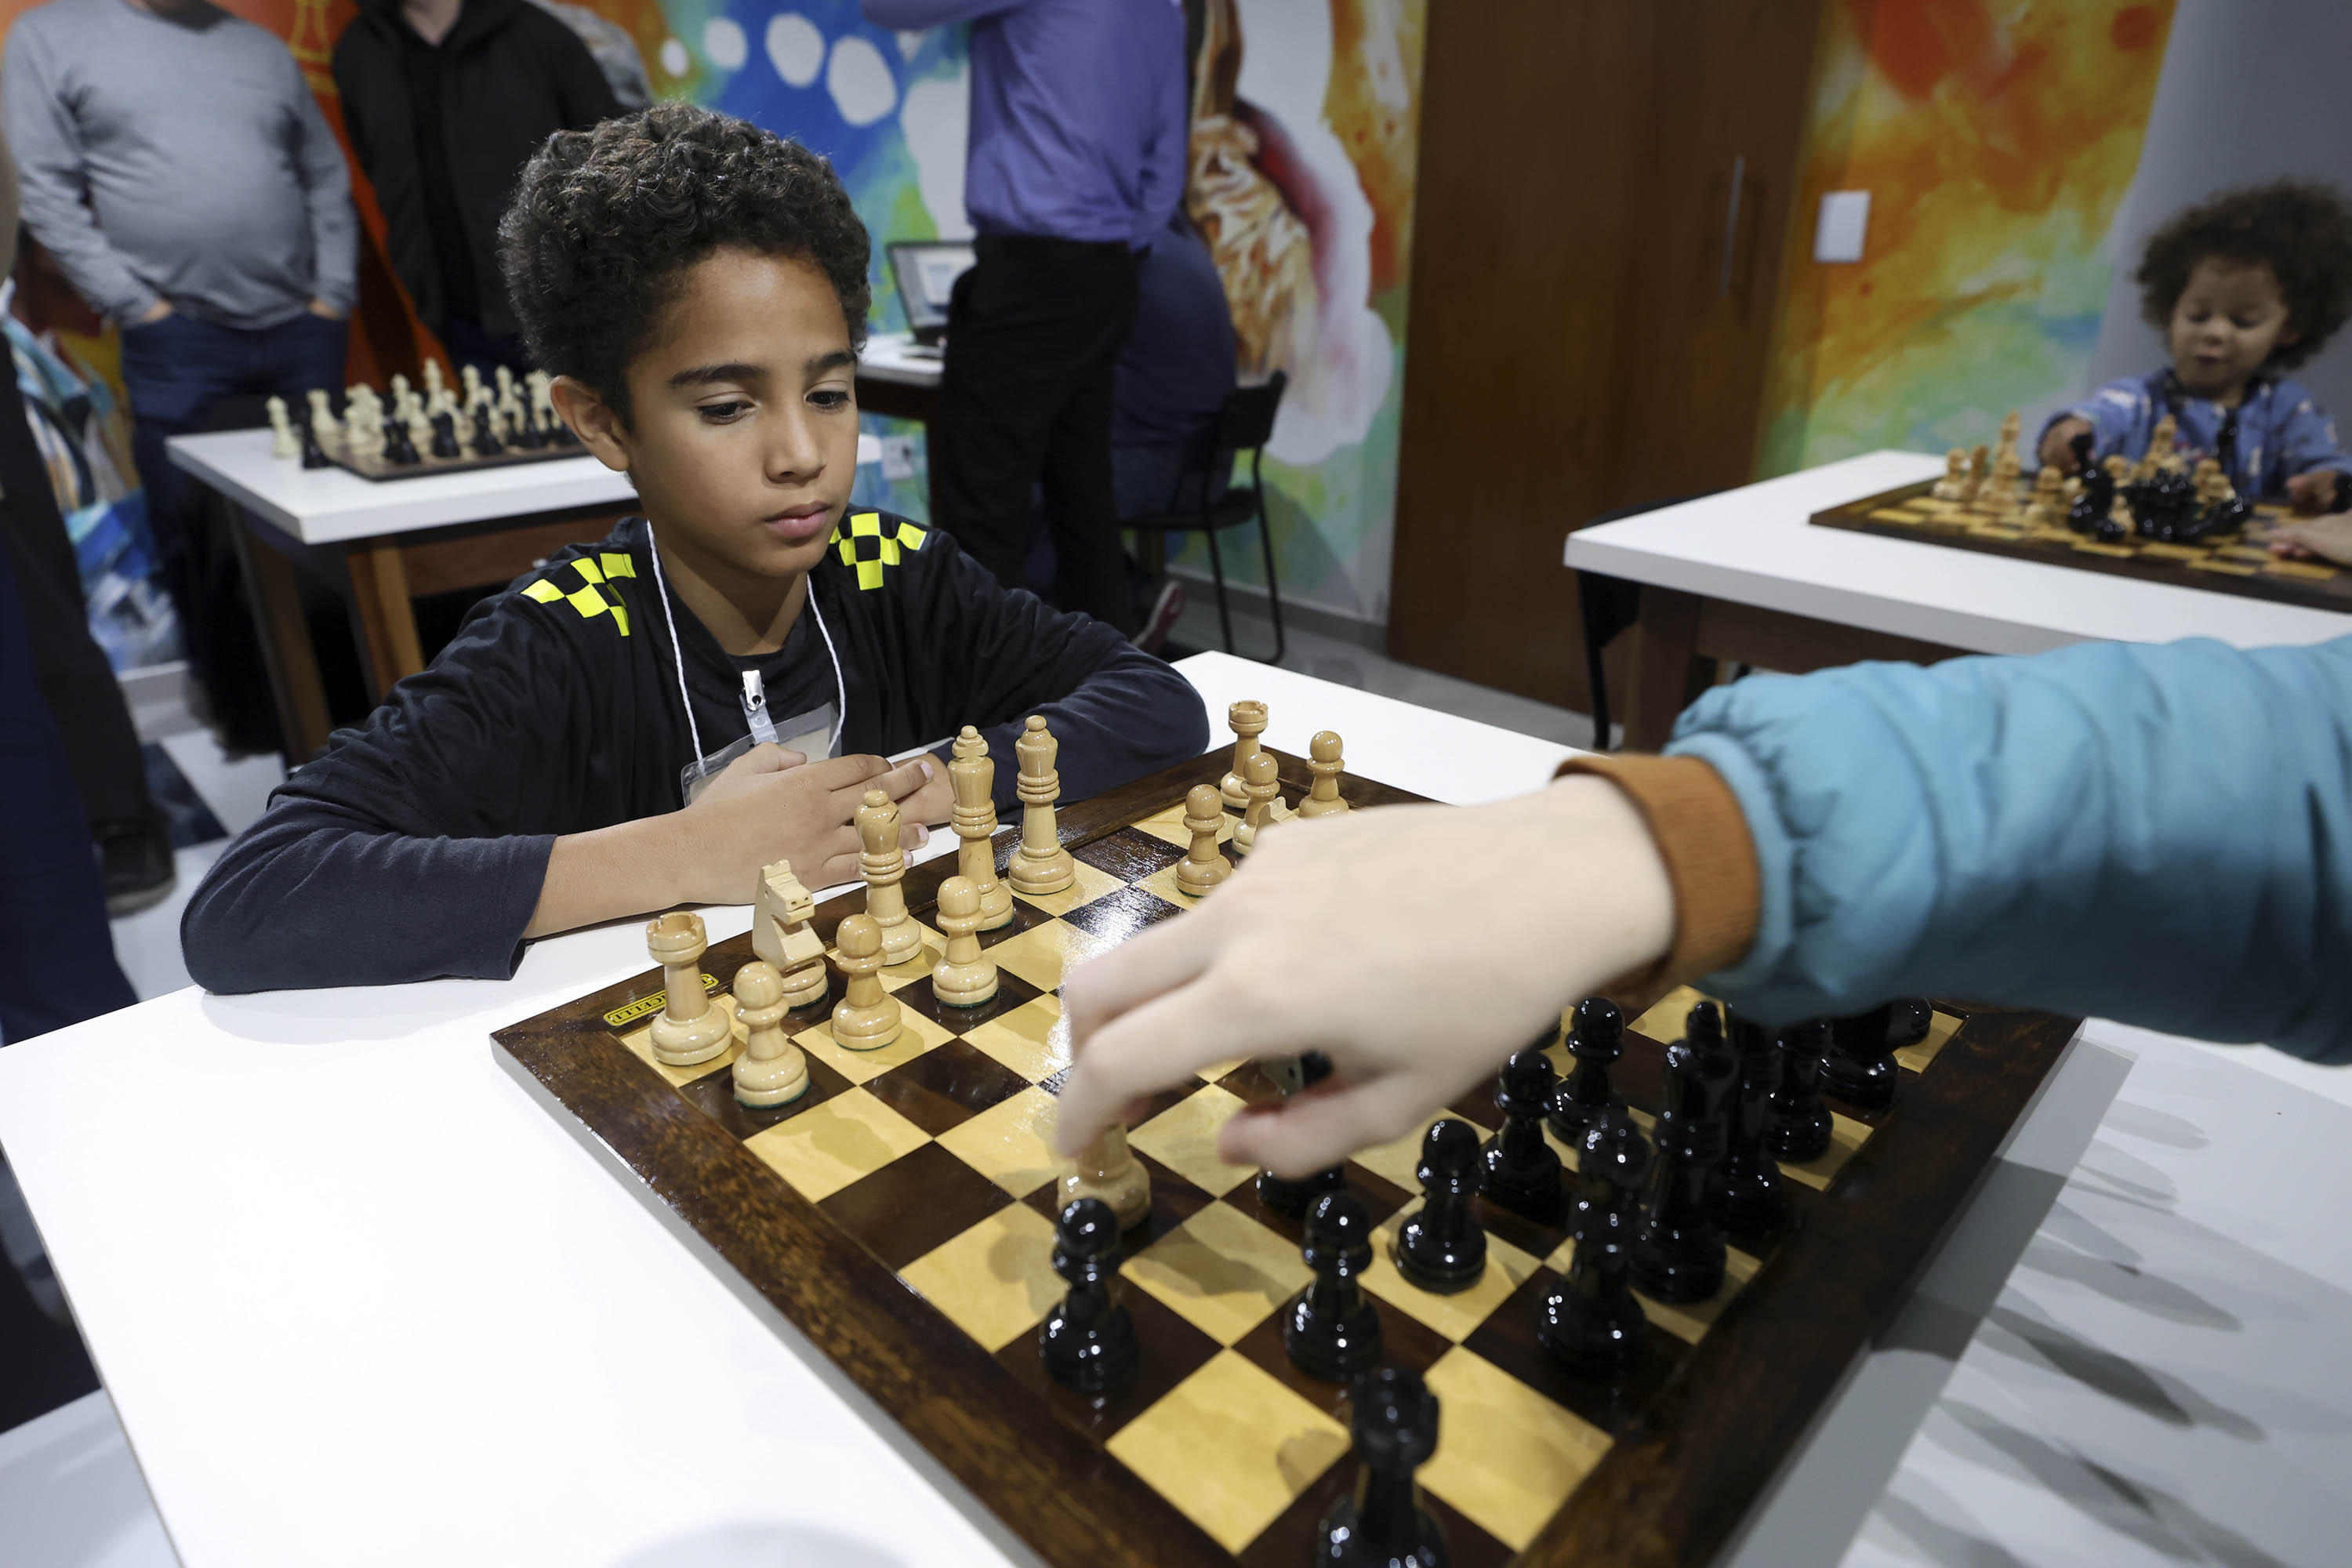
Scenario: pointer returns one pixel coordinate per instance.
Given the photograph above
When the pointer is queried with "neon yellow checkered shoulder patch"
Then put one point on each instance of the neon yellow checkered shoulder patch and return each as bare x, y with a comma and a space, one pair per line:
595, 596
865, 549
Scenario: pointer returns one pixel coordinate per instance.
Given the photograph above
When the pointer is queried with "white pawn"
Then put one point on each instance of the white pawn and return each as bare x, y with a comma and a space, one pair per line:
966, 978
884, 866
281, 430
324, 423
1324, 762
505, 381
1108, 1170
1203, 867
771, 1070
1266, 808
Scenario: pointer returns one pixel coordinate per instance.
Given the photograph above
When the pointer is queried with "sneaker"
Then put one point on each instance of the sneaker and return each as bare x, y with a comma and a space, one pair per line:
135, 862
1165, 609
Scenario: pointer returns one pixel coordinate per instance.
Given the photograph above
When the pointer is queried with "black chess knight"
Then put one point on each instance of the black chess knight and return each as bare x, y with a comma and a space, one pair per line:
1379, 1523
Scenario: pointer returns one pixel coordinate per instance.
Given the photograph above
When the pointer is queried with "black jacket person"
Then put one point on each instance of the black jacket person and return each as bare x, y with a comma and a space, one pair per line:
443, 129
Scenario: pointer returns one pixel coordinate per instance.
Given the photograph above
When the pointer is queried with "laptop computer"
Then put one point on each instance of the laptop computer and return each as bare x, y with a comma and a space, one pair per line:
925, 271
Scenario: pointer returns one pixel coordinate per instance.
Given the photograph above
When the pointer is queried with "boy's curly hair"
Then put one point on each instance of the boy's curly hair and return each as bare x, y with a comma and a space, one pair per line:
605, 222
2300, 230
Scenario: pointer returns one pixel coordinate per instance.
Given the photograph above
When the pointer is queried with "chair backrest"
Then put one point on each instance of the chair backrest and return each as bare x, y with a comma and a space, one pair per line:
1246, 421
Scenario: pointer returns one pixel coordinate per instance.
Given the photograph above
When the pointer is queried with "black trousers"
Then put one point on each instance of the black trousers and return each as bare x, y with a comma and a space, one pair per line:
68, 668
1034, 328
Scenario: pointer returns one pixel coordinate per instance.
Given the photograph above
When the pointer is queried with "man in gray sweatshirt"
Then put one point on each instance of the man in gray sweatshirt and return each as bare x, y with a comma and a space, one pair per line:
177, 167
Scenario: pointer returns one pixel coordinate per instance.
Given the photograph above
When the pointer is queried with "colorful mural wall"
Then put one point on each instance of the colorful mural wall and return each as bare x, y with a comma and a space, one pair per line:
1997, 140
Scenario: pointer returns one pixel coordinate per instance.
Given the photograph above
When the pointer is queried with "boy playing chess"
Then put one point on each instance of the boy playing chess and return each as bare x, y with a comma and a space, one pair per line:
599, 740
2245, 287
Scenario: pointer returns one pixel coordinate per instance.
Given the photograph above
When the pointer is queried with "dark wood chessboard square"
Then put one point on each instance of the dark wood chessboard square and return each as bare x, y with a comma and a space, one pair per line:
1507, 1339
1174, 1199
1117, 916
1537, 1238
1639, 1076
1249, 1083
1169, 1350
917, 1202
1290, 1541
1129, 854
1380, 1197
1012, 992
836, 986
946, 1085
1405, 1342
1026, 916
714, 1095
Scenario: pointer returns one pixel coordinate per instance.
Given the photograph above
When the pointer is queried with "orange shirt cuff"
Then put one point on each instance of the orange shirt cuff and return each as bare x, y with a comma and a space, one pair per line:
1710, 859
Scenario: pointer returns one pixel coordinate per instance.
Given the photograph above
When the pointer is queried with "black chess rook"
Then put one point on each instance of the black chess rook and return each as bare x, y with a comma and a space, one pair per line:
1860, 1069
1088, 1342
1442, 1248
1591, 1323
1745, 1196
1595, 1039
1380, 1522
1523, 1170
1331, 1329
1678, 1254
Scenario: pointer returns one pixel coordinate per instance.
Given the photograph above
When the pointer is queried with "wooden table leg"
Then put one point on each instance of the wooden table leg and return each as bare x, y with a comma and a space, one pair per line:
286, 650
1666, 647
387, 620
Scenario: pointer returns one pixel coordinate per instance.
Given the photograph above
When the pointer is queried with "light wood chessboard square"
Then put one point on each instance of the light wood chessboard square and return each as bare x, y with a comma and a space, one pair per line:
932, 1157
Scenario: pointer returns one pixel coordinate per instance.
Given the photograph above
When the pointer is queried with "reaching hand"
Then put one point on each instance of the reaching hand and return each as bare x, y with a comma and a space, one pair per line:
2311, 492
2326, 538
1415, 946
2056, 448
771, 805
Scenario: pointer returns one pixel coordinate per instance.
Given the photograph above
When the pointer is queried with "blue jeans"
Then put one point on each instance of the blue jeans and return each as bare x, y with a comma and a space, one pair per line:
185, 375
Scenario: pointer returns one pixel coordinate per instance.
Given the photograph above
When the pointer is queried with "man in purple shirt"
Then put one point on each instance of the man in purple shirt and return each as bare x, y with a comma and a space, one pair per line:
1075, 160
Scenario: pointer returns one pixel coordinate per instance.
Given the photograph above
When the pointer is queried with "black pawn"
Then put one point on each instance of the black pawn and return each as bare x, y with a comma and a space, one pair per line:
528, 436
1285, 1195
1442, 1248
1746, 1197
1381, 1523
1523, 1171
398, 448
1860, 1069
486, 435
1678, 1253
313, 455
1799, 1125
1596, 1039
444, 436
1088, 1342
1331, 1329
1590, 1323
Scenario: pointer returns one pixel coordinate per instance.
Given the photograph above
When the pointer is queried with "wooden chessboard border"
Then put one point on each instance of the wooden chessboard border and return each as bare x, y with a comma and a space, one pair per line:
377, 470
2333, 594
1679, 1481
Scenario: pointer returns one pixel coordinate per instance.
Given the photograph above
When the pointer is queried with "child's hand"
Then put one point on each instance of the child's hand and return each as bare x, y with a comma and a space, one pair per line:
2326, 538
932, 800
1323, 940
2057, 452
769, 805
2313, 491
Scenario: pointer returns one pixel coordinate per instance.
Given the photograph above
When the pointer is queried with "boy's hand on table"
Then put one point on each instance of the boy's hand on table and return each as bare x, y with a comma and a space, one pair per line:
2324, 538
2055, 451
2313, 491
932, 800
1415, 946
773, 804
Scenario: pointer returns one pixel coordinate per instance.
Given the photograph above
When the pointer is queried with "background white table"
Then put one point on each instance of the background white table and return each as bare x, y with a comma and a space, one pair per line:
359, 1300
1743, 575
389, 542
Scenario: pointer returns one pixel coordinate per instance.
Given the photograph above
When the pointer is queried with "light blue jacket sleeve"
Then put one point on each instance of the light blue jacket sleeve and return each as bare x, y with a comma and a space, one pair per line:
2159, 834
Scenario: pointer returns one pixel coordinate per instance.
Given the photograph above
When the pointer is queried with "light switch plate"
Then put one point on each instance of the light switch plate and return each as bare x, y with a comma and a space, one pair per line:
1844, 220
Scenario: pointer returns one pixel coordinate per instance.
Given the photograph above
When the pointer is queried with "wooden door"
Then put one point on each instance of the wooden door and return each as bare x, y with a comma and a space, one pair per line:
1590, 308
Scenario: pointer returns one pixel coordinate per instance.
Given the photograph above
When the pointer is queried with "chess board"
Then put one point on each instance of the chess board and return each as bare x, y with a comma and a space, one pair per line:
898, 1216
376, 468
2239, 563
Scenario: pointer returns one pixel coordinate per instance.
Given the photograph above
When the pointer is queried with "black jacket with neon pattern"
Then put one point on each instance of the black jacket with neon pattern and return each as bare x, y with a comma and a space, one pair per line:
415, 845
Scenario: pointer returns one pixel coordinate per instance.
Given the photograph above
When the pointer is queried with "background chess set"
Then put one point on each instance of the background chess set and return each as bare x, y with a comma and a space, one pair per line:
2002, 514
899, 1214
494, 424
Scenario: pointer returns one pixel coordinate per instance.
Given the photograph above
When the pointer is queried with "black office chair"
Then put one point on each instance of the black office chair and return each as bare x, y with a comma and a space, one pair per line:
1243, 425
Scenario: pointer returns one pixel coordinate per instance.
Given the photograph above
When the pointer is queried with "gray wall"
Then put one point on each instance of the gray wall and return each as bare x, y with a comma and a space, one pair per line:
2251, 91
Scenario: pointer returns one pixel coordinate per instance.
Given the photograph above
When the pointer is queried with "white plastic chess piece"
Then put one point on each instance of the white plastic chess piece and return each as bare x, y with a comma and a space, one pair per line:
1324, 761
1266, 808
1204, 866
1108, 1170
324, 423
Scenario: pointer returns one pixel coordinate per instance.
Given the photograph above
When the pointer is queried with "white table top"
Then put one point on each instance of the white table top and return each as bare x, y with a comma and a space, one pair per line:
333, 506
357, 1298
1753, 546
896, 356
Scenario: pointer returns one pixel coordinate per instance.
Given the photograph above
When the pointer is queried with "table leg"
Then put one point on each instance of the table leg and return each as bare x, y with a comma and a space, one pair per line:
387, 620
1665, 650
286, 649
